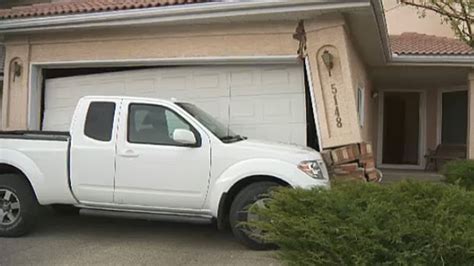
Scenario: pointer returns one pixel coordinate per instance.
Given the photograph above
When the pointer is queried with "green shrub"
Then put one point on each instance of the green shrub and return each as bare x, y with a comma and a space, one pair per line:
407, 223
460, 172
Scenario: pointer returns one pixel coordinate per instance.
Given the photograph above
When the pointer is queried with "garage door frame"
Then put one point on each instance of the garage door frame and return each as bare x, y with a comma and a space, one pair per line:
36, 79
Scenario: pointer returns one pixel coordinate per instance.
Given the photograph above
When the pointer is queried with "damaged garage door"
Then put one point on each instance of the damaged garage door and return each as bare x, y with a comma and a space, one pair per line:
265, 102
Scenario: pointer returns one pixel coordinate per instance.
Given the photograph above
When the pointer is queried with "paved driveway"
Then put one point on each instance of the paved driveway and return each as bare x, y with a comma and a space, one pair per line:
80, 240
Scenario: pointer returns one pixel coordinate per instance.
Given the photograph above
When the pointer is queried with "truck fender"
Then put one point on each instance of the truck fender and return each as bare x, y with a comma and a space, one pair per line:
241, 170
25, 165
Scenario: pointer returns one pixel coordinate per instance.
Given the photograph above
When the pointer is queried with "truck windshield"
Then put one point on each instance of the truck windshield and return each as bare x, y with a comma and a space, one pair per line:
217, 128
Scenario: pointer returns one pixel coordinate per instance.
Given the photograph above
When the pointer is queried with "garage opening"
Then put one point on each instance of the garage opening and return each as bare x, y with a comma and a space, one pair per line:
259, 101
311, 130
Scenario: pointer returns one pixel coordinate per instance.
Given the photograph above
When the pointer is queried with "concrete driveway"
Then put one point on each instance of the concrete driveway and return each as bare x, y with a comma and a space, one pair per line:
80, 240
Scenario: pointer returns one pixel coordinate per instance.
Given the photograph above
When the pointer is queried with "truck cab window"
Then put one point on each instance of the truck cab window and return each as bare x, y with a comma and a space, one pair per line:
100, 120
153, 124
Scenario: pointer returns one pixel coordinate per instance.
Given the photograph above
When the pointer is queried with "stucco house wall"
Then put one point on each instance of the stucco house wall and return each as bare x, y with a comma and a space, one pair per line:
470, 137
138, 43
202, 41
401, 18
361, 79
336, 106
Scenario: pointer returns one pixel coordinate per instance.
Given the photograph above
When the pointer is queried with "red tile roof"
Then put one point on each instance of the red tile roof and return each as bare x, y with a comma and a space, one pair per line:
404, 44
411, 43
85, 6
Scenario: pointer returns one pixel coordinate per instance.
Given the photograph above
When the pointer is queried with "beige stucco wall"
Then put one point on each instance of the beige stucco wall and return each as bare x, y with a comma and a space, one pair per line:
337, 112
15, 92
1, 102
431, 118
402, 18
361, 79
244, 39
137, 43
167, 42
470, 139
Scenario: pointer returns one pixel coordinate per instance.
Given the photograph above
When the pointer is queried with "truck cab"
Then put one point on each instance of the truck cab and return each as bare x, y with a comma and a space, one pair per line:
150, 158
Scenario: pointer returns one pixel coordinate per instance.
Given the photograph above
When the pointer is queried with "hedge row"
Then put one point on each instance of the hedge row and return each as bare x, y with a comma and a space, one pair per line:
460, 172
408, 223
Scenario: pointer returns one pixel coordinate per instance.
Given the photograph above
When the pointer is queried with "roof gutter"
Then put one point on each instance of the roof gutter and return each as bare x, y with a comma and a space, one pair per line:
178, 13
379, 14
429, 60
413, 60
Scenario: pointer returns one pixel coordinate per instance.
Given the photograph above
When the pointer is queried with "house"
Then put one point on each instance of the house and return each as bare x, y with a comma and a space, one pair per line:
402, 18
9, 3
2, 63
318, 73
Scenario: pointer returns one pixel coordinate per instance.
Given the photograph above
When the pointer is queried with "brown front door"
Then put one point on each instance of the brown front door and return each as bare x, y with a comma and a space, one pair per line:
401, 128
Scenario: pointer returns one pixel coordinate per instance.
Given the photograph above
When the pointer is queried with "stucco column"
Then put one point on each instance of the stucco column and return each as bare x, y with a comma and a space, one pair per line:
333, 85
470, 136
15, 87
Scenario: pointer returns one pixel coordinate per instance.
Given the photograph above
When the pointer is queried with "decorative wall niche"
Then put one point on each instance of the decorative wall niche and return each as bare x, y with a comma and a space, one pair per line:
333, 90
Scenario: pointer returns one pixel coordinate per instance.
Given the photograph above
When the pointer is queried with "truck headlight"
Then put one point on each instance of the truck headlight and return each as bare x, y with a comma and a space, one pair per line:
312, 168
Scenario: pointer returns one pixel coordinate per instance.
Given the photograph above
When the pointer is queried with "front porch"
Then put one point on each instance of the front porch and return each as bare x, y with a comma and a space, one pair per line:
397, 175
422, 113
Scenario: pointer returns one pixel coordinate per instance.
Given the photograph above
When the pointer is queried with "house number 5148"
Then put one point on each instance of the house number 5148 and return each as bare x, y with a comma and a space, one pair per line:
336, 105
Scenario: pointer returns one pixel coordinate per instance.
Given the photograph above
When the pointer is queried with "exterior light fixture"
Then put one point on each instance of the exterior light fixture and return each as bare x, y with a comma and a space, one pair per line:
375, 94
17, 69
328, 60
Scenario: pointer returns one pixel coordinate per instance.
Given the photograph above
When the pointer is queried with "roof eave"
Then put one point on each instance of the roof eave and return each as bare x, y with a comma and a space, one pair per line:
433, 60
178, 13
382, 29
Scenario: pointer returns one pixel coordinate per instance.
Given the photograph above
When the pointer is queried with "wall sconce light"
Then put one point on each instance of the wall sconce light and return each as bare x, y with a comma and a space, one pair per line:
17, 69
374, 94
328, 60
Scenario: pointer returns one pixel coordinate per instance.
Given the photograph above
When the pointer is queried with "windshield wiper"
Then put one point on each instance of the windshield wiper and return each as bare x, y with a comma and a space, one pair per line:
233, 138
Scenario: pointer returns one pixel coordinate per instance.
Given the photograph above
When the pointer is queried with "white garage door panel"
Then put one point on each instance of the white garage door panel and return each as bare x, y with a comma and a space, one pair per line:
61, 100
294, 133
267, 81
218, 107
268, 109
143, 87
257, 101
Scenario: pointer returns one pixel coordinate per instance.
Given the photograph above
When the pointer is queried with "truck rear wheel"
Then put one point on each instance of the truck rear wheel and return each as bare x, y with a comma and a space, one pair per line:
253, 194
18, 206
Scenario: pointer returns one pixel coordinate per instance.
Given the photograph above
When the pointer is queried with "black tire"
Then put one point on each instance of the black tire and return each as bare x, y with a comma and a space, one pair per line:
26, 216
65, 210
238, 213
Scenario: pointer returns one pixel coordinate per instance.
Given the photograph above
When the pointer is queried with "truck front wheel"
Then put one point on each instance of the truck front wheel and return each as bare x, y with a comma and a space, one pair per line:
253, 194
18, 206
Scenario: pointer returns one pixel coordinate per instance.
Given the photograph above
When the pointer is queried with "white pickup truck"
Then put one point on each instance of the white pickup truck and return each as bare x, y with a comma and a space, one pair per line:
146, 158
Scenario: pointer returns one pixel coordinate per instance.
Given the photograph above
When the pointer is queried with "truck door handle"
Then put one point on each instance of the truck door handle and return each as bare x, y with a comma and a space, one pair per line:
129, 154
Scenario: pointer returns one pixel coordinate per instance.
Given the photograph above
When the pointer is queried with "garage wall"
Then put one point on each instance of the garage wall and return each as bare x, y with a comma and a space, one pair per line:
15, 90
257, 39
1, 101
143, 43
245, 39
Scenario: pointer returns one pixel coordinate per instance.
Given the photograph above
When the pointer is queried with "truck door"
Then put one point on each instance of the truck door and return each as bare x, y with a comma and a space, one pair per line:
154, 171
92, 162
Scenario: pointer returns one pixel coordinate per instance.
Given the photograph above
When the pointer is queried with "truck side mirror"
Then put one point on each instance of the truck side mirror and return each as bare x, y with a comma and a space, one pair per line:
184, 136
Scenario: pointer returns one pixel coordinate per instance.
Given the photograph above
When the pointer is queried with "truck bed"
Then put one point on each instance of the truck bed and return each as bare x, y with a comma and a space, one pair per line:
44, 158
35, 134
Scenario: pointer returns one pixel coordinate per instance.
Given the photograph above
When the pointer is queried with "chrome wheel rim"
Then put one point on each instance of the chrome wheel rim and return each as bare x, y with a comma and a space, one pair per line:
255, 233
9, 207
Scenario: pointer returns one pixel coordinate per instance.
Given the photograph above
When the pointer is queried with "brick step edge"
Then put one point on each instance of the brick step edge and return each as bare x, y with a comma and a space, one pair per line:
353, 161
